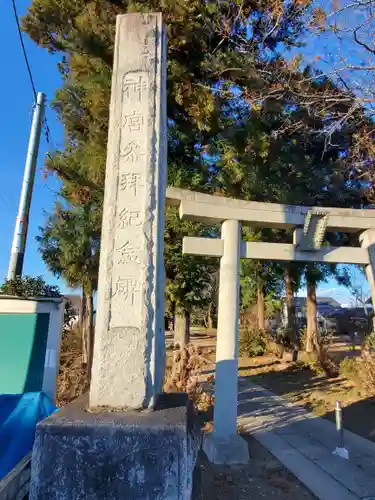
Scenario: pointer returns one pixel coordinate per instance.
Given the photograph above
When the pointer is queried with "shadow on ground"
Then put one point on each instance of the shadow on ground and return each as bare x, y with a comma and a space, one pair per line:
263, 477
359, 417
318, 394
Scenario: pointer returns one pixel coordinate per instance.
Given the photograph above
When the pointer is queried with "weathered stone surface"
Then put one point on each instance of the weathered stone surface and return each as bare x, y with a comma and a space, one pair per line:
225, 414
148, 455
231, 451
129, 350
276, 251
367, 240
216, 209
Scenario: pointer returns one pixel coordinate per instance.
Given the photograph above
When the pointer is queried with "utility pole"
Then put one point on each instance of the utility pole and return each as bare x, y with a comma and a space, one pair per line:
22, 220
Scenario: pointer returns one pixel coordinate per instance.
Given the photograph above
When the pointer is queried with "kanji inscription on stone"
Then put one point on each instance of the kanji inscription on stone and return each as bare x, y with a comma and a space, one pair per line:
129, 252
133, 121
130, 310
132, 151
135, 87
131, 182
127, 288
129, 217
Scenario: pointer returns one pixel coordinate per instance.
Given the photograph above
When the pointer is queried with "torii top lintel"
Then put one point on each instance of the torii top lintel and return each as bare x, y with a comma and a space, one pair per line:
216, 209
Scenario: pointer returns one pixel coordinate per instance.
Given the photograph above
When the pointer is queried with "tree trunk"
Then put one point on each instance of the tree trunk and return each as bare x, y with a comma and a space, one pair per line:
261, 306
210, 316
290, 306
212, 308
182, 328
312, 324
88, 330
82, 329
210, 320
173, 317
90, 335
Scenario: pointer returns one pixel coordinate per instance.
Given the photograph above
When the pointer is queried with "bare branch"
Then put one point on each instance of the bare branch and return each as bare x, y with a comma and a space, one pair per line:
355, 36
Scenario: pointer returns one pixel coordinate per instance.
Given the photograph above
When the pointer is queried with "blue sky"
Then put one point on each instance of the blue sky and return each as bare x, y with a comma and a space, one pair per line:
340, 293
17, 104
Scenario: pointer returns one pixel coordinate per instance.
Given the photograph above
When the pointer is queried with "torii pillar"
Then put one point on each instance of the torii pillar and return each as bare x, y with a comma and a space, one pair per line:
224, 445
367, 240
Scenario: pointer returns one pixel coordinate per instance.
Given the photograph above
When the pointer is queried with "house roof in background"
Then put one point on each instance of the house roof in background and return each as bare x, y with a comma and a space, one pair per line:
321, 301
352, 312
76, 301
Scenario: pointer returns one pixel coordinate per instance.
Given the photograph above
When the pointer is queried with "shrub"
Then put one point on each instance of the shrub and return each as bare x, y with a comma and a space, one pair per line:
349, 369
320, 361
275, 348
366, 365
253, 342
72, 378
187, 365
368, 346
36, 287
367, 373
29, 286
324, 338
285, 340
360, 371
316, 367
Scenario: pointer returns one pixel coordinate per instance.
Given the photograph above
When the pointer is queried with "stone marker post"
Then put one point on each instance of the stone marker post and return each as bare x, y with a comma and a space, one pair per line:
109, 449
128, 368
224, 445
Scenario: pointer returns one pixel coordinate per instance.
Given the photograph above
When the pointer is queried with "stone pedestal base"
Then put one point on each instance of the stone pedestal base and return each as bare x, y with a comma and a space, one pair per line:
148, 455
229, 452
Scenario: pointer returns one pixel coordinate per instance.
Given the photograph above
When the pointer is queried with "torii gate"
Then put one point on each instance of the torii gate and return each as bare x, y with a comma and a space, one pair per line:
309, 225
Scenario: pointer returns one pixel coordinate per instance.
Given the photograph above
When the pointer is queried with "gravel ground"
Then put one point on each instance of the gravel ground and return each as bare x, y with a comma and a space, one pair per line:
263, 477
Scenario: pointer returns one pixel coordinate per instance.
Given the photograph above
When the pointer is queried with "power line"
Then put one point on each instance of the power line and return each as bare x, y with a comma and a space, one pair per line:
47, 133
47, 130
24, 49
5, 200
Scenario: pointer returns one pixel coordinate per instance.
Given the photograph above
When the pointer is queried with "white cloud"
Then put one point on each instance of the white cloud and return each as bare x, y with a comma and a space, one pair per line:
329, 291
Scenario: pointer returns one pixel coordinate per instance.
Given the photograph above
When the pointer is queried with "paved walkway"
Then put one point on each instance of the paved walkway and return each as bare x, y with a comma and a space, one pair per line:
304, 444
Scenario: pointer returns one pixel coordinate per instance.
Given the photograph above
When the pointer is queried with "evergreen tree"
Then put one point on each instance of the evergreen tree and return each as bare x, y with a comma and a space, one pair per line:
213, 47
237, 125
70, 246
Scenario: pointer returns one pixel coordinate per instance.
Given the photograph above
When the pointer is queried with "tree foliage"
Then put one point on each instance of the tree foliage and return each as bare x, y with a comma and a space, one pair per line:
70, 244
29, 287
244, 120
70, 247
210, 47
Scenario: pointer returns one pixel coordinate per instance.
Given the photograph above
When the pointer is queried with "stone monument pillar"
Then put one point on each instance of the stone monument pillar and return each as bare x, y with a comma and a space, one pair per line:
128, 440
129, 334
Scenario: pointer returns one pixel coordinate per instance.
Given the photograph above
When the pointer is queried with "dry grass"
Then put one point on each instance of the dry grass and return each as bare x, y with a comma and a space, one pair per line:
72, 378
184, 375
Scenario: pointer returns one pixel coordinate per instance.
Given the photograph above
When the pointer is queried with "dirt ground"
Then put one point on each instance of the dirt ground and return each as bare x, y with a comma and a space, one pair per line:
263, 477
303, 386
317, 393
